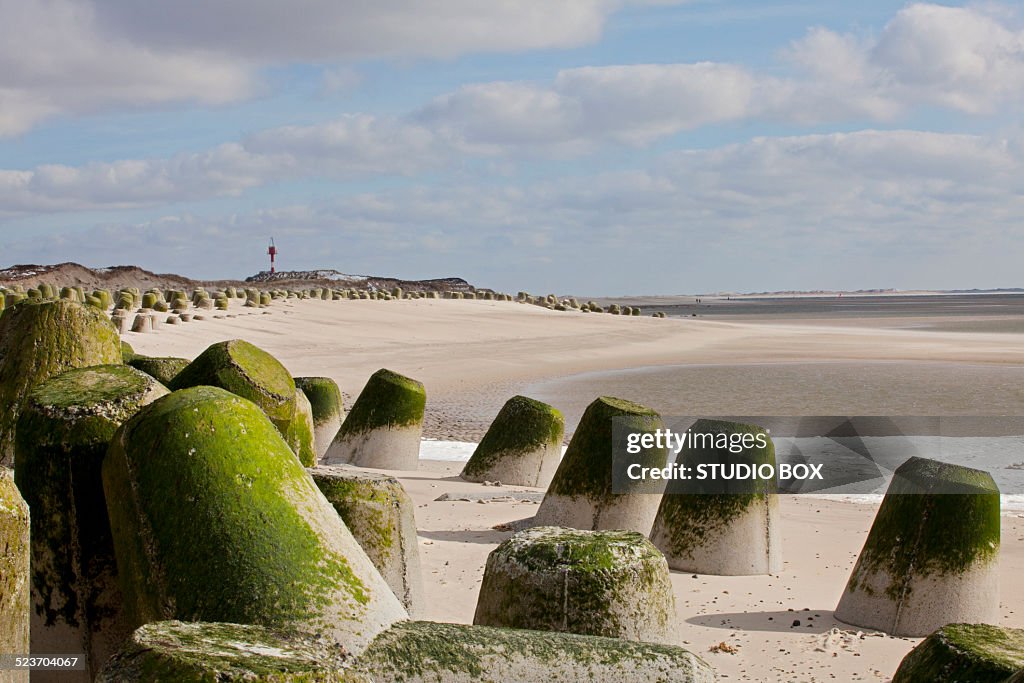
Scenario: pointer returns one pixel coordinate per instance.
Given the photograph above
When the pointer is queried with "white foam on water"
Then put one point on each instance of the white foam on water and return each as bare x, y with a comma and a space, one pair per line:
448, 451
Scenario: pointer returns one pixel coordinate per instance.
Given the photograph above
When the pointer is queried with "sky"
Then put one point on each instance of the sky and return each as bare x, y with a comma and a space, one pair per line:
601, 147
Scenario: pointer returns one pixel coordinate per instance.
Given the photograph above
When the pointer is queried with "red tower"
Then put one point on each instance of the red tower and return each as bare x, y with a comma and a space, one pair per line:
273, 252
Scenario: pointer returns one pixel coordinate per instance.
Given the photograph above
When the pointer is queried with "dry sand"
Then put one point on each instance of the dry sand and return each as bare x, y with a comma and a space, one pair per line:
473, 355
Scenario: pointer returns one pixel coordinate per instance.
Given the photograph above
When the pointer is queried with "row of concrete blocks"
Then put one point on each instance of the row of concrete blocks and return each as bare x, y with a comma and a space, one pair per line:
901, 587
150, 322
378, 638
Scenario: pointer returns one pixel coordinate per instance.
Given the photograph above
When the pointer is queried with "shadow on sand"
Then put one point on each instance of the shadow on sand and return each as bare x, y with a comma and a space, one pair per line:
810, 621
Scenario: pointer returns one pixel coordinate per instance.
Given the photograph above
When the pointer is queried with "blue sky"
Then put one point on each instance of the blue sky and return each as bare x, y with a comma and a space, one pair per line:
585, 146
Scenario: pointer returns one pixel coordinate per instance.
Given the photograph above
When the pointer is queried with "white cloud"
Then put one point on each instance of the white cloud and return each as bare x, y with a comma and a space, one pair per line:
55, 58
963, 59
878, 208
634, 104
81, 56
353, 146
75, 56
842, 77
324, 30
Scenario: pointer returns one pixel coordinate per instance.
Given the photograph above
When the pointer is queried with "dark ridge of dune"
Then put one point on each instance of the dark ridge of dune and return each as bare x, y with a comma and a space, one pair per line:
334, 278
116, 277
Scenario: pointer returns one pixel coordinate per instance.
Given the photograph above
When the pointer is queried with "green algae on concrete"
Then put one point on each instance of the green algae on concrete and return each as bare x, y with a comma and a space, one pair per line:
247, 371
939, 523
14, 574
328, 409
717, 526
127, 352
300, 436
581, 493
164, 369
40, 339
380, 514
944, 530
62, 437
324, 395
203, 652
387, 400
965, 653
427, 652
384, 427
602, 583
522, 446
214, 519
586, 469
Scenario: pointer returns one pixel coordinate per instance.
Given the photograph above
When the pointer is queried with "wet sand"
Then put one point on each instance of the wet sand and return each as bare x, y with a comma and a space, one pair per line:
819, 388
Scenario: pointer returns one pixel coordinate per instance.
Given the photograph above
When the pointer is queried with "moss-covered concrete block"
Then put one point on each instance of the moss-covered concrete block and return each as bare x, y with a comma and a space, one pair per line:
163, 369
215, 519
705, 529
251, 372
248, 371
14, 574
384, 427
965, 653
380, 514
300, 435
62, 436
143, 323
122, 323
931, 557
328, 409
580, 495
522, 447
127, 352
205, 652
41, 339
427, 652
600, 583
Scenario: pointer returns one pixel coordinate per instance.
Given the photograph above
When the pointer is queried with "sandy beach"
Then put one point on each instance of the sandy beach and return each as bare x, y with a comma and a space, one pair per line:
473, 355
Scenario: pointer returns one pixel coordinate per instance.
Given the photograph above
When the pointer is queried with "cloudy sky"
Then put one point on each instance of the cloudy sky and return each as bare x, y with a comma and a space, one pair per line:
577, 146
